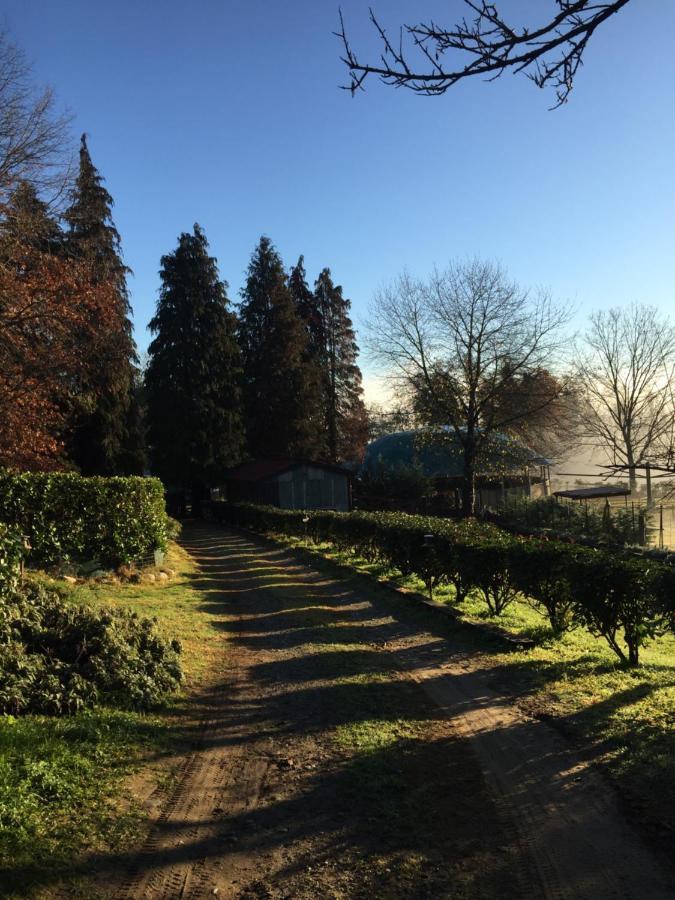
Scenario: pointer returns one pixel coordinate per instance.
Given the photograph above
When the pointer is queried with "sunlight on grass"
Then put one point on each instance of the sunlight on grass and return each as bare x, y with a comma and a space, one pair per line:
625, 719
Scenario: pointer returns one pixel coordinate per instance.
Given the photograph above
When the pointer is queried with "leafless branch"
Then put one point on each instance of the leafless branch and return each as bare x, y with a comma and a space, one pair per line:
483, 45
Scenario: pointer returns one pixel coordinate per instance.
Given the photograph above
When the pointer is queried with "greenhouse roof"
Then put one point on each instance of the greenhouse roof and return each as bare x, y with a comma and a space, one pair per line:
441, 456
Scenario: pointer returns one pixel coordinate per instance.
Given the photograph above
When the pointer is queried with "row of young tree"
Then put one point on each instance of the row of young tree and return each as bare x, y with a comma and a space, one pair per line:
278, 377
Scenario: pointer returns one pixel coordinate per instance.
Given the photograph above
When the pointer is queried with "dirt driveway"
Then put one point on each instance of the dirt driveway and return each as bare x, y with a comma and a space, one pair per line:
347, 755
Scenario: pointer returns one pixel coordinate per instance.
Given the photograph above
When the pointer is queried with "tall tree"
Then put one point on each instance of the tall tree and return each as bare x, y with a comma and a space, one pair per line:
627, 368
100, 439
458, 343
280, 379
48, 342
344, 410
193, 376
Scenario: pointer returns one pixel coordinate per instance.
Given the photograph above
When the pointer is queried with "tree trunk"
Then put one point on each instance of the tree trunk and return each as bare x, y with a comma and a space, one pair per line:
469, 482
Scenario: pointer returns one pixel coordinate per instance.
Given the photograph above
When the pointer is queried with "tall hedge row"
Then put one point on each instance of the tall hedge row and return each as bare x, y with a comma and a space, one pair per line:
625, 600
69, 517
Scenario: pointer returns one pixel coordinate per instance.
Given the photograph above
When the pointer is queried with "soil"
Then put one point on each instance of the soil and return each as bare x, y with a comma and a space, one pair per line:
347, 754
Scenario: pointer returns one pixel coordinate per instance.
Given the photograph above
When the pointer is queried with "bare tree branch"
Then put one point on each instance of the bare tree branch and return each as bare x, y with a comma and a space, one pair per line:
34, 138
484, 45
471, 349
627, 368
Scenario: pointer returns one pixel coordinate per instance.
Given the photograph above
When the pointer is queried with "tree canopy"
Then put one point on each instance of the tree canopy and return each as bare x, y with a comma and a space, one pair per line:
193, 377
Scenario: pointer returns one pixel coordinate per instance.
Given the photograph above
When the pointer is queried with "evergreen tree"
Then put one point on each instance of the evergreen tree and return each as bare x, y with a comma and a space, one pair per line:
193, 377
281, 388
27, 222
101, 442
345, 413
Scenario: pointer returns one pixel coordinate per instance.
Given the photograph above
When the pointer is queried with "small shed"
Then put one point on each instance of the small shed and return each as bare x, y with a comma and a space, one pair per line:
290, 484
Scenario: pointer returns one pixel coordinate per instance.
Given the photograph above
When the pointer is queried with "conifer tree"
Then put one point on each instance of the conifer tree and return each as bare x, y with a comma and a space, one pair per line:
281, 390
101, 442
193, 377
28, 222
345, 413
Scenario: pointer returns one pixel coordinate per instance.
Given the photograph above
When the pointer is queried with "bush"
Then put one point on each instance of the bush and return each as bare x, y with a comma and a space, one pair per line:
11, 553
69, 517
57, 657
623, 599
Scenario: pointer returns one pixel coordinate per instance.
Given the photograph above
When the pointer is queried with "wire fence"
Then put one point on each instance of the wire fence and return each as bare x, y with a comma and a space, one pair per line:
615, 520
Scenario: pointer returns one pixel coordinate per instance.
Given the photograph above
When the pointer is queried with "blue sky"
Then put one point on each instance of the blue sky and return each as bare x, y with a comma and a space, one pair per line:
229, 113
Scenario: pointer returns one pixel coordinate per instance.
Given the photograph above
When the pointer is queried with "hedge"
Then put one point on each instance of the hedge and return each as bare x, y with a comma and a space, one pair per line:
625, 600
11, 553
70, 517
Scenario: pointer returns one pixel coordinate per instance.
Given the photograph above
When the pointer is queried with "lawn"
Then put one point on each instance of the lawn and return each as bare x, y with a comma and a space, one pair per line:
65, 782
622, 719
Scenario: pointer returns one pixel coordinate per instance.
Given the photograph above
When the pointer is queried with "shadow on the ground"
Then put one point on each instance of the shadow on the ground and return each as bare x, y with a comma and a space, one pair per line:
420, 804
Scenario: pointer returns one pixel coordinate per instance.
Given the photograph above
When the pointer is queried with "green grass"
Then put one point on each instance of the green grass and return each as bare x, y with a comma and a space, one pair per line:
64, 782
623, 719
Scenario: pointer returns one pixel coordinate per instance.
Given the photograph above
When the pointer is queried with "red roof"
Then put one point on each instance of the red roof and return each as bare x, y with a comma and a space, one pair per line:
262, 469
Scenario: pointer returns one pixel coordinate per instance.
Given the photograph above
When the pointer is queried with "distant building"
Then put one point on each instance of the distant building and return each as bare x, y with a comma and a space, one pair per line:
505, 468
290, 484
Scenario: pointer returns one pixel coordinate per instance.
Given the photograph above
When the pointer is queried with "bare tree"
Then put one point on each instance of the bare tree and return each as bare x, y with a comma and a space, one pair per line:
34, 139
626, 367
457, 342
484, 45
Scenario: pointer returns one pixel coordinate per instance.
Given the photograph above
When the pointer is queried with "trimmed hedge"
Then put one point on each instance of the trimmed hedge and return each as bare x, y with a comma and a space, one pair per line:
70, 517
58, 657
626, 601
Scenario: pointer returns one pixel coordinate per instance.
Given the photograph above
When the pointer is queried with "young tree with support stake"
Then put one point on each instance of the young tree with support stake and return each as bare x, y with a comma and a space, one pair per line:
456, 342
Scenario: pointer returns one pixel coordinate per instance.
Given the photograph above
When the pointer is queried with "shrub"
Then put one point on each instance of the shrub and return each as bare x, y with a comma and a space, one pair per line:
57, 657
70, 517
541, 570
617, 597
623, 599
11, 553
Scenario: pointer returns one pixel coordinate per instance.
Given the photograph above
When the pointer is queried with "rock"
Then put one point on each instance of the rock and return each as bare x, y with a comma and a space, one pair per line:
99, 573
151, 577
69, 578
163, 576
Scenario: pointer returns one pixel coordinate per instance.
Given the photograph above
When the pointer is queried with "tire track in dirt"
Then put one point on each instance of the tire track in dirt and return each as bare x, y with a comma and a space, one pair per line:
567, 837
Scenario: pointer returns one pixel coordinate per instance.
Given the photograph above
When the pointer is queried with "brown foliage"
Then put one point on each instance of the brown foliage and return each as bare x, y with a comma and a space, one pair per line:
50, 317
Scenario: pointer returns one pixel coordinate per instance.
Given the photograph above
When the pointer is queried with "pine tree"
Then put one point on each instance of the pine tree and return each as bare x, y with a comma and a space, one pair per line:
101, 441
193, 378
28, 222
281, 387
345, 413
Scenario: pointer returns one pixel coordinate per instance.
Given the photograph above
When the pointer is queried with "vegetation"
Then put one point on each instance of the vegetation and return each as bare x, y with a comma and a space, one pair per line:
282, 391
58, 658
334, 347
62, 778
472, 350
101, 442
66, 517
484, 46
626, 601
193, 378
